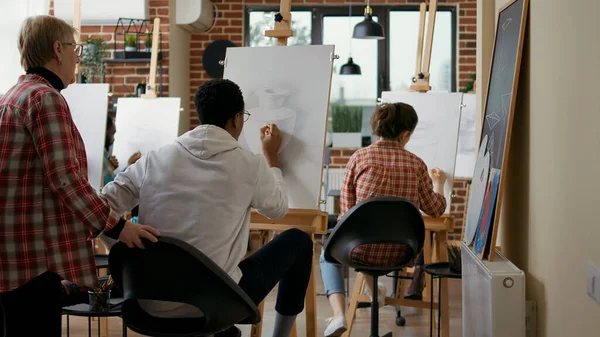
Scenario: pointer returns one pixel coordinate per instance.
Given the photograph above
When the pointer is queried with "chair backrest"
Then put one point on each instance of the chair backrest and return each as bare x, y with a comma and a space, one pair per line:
172, 270
376, 220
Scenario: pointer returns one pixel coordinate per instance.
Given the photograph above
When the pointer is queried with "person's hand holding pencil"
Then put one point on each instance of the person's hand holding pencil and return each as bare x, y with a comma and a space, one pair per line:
438, 176
270, 138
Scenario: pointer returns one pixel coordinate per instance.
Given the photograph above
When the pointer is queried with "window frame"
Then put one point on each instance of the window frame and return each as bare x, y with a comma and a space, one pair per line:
383, 14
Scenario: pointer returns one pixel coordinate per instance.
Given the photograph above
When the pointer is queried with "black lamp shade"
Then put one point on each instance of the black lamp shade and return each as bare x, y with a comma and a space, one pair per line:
368, 29
350, 68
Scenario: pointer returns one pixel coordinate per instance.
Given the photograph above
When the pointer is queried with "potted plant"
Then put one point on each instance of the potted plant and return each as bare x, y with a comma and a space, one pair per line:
92, 62
130, 42
148, 43
346, 126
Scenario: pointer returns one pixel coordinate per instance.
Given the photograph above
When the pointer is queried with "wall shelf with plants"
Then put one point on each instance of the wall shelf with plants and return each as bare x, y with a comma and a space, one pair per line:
346, 125
136, 36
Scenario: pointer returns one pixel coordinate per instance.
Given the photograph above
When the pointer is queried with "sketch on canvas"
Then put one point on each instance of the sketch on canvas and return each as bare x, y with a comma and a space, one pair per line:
292, 92
144, 124
436, 136
466, 153
477, 191
89, 108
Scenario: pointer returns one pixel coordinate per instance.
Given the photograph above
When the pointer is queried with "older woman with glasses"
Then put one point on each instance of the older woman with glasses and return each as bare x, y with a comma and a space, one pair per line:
48, 210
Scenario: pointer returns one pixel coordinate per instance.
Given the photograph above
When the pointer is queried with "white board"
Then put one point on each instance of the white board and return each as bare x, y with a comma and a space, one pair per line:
89, 107
467, 139
293, 89
436, 136
144, 124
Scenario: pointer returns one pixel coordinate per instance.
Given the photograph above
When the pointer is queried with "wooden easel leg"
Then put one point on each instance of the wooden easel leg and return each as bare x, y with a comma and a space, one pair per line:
356, 292
311, 298
442, 255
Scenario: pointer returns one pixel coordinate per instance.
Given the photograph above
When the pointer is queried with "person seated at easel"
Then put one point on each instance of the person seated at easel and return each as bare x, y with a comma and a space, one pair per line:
111, 163
202, 188
385, 168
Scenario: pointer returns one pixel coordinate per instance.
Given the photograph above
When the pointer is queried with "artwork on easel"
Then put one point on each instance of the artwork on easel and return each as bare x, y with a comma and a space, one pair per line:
499, 110
293, 93
486, 218
477, 191
89, 109
466, 154
436, 136
144, 124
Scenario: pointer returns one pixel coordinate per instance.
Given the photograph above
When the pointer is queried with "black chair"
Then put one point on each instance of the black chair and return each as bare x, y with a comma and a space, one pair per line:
172, 270
374, 221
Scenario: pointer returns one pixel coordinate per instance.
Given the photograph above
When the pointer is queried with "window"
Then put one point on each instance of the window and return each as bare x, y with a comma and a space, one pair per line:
259, 21
386, 65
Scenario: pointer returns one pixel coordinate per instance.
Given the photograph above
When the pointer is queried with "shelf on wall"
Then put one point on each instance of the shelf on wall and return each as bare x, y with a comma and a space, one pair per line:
119, 58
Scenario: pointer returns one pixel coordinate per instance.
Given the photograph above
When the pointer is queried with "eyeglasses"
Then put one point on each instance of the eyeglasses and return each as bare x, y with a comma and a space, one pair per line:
246, 115
78, 48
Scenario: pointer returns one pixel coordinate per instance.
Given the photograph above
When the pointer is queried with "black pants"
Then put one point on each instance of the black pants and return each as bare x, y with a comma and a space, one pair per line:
34, 309
287, 259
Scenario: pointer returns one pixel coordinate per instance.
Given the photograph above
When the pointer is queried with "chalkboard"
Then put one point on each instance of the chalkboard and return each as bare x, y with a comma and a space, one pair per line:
500, 102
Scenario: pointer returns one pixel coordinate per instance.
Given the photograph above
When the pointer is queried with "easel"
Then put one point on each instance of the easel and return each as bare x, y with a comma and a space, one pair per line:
311, 221
421, 78
77, 26
151, 86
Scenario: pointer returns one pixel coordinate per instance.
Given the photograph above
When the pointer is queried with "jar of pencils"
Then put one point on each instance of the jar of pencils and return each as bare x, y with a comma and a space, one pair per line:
100, 297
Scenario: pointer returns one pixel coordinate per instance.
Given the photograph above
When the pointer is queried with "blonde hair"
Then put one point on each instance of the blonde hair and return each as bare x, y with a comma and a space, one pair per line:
37, 37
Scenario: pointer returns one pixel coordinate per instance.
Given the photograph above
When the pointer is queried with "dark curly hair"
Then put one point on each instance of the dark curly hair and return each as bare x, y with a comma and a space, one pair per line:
390, 120
217, 101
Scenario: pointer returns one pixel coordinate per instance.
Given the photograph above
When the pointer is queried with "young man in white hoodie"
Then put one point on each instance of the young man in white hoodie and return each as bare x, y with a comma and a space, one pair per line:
201, 189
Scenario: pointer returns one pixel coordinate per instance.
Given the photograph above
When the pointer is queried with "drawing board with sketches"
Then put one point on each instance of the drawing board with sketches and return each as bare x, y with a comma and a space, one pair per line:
466, 152
436, 136
292, 91
89, 108
144, 124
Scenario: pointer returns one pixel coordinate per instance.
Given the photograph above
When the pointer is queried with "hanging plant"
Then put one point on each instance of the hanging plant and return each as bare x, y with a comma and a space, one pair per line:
93, 61
469, 86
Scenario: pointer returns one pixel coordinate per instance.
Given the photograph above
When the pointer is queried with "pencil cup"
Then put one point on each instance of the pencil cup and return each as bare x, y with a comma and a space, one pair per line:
99, 300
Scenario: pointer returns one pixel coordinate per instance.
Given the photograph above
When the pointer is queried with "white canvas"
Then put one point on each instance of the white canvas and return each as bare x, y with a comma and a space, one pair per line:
88, 104
288, 86
467, 139
436, 136
144, 124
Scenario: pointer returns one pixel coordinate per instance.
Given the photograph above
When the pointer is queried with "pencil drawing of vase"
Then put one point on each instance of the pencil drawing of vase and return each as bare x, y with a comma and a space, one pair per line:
270, 110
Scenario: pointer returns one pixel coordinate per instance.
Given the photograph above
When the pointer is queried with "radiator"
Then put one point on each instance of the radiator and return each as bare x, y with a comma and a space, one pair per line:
493, 296
333, 181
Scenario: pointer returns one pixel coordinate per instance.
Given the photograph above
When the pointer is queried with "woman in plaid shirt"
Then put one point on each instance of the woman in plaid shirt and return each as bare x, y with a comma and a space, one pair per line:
48, 211
384, 168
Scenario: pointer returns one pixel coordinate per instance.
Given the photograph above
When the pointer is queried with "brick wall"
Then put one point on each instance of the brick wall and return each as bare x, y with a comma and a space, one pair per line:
229, 25
339, 158
123, 76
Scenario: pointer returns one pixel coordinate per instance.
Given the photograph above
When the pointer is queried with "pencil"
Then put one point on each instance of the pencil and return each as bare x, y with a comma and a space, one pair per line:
268, 130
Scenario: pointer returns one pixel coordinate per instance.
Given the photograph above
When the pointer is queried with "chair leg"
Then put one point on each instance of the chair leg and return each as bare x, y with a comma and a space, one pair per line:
374, 310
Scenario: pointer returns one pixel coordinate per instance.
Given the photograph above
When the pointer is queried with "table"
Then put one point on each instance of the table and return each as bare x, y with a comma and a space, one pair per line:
101, 261
439, 270
83, 310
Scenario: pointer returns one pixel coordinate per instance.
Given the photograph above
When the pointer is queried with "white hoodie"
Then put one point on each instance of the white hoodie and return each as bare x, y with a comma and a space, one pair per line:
200, 189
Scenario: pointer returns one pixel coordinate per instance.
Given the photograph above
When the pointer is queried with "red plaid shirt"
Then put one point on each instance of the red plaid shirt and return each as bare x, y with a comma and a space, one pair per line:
382, 169
48, 210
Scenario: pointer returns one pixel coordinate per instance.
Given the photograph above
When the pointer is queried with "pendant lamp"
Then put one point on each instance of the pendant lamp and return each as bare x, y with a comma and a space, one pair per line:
368, 29
350, 68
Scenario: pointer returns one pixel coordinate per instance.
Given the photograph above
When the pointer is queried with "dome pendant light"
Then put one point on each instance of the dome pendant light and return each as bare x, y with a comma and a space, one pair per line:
368, 29
350, 68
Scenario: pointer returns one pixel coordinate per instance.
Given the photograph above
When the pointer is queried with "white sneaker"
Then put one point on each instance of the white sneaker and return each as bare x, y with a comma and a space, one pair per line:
336, 326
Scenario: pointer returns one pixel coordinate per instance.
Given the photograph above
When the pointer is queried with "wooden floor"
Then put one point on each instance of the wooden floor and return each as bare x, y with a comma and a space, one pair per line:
416, 319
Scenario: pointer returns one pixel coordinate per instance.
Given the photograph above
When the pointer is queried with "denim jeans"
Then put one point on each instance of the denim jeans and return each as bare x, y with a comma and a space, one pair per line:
333, 276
